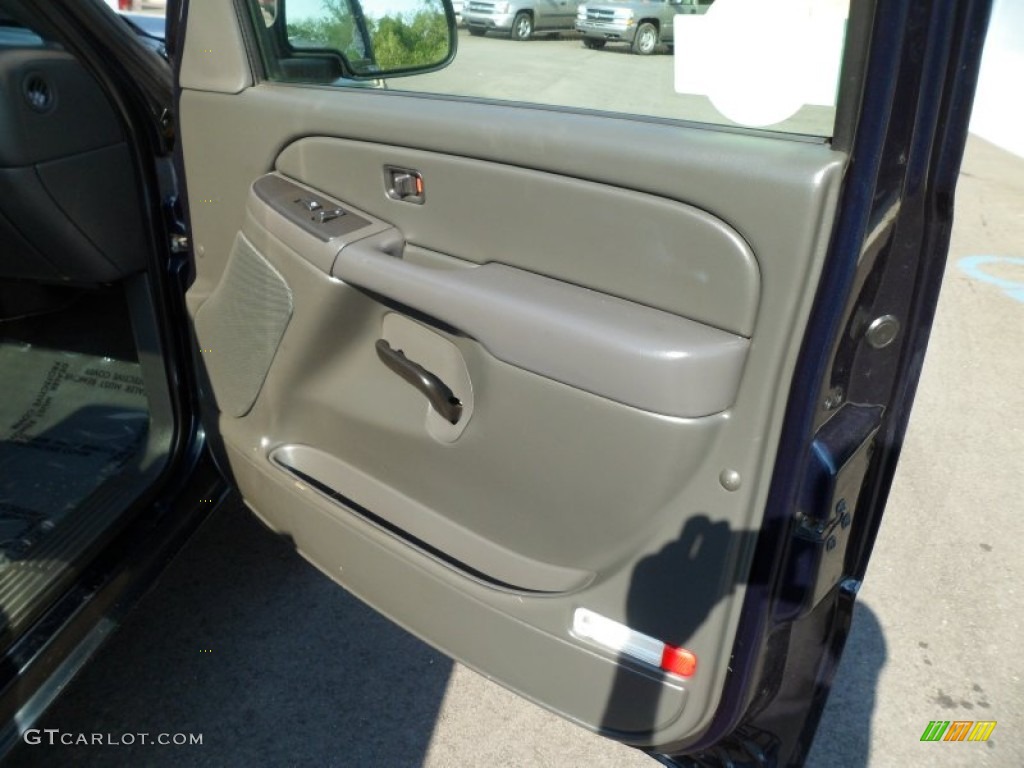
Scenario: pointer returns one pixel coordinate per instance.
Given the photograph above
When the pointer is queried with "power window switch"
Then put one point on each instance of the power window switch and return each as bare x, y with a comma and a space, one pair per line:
322, 217
309, 205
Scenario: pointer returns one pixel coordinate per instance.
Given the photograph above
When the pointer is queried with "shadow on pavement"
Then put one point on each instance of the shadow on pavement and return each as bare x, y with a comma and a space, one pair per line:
245, 643
843, 739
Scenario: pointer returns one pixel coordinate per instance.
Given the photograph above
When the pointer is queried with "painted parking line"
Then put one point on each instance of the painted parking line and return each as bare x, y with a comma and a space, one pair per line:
974, 266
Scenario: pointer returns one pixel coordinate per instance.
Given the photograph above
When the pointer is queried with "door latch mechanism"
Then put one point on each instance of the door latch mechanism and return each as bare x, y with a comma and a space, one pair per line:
404, 185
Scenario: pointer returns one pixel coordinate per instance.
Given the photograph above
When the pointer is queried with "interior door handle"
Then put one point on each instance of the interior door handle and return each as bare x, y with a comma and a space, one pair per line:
440, 397
614, 348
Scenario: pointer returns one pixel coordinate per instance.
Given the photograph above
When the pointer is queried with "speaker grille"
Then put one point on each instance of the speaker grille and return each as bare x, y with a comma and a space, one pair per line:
240, 327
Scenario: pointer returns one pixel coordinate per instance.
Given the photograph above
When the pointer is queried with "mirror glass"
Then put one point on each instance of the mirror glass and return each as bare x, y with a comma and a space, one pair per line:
376, 37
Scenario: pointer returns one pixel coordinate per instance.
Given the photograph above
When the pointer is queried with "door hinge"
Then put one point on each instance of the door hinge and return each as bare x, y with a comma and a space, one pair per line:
839, 458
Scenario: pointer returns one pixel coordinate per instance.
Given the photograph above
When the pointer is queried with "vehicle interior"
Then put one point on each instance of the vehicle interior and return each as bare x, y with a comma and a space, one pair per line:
553, 434
514, 373
85, 419
500, 367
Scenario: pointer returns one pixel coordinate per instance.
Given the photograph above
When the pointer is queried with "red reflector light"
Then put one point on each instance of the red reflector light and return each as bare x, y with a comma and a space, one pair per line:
124, 5
619, 638
678, 661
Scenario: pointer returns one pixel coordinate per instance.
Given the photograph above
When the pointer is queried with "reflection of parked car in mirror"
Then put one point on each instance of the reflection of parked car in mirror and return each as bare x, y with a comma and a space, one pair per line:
641, 23
519, 19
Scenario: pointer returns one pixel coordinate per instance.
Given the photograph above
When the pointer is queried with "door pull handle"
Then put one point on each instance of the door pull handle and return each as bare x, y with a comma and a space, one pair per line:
440, 397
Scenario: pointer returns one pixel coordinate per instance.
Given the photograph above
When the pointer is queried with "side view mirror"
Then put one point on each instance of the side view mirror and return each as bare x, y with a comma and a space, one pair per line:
376, 38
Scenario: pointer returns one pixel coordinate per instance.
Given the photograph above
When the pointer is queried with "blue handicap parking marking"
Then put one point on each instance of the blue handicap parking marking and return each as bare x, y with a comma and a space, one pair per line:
974, 266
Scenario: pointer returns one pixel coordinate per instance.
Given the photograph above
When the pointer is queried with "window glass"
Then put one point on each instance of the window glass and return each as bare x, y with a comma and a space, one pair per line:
727, 62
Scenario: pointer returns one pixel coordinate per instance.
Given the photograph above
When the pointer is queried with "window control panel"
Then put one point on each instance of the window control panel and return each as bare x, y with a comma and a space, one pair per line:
320, 216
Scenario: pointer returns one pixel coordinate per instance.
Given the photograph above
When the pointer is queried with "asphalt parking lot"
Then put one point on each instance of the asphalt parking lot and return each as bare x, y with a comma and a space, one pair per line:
559, 71
243, 642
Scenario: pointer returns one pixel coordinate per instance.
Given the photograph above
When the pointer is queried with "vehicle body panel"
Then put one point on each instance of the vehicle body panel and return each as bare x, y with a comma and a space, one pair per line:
499, 15
619, 20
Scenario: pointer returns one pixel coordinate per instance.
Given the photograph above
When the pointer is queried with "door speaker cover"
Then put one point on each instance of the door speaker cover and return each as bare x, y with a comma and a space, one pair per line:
240, 327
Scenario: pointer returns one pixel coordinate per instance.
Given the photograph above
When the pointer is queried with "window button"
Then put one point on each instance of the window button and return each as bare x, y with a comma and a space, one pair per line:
322, 217
309, 205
